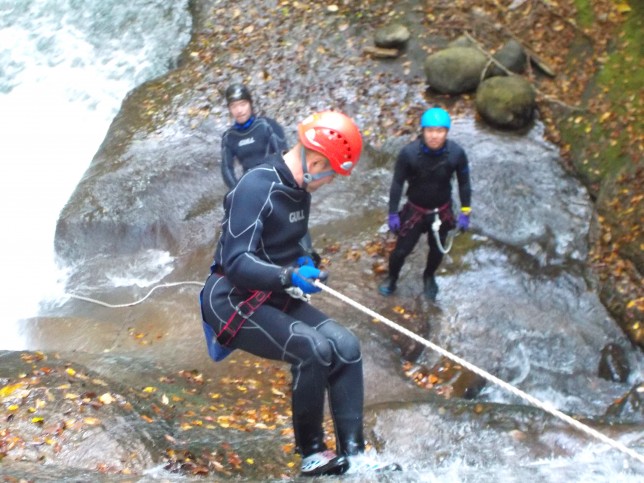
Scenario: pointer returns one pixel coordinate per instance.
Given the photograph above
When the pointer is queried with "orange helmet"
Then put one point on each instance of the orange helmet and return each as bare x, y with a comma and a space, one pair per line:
334, 135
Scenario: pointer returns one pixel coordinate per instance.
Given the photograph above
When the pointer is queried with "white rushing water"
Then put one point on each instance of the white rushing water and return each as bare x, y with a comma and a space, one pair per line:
65, 66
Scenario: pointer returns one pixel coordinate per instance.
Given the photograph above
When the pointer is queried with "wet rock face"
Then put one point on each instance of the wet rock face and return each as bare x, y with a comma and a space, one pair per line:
83, 423
613, 364
140, 192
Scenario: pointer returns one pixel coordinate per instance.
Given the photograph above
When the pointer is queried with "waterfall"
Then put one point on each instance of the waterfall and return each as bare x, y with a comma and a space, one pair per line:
65, 66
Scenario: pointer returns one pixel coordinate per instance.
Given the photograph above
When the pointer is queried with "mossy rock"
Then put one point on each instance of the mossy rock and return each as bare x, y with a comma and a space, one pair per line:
506, 102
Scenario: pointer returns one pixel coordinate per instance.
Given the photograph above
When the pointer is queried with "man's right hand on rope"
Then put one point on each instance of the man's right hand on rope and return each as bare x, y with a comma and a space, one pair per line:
303, 278
393, 220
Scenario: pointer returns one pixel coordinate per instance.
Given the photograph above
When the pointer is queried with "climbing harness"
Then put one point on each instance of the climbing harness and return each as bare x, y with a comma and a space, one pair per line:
440, 214
486, 375
548, 408
242, 312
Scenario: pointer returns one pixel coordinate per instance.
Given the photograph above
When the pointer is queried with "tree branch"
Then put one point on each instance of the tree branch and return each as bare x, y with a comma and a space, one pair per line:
492, 60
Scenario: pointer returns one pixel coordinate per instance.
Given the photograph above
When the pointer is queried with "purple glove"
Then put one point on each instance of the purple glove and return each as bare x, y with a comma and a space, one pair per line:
463, 222
393, 220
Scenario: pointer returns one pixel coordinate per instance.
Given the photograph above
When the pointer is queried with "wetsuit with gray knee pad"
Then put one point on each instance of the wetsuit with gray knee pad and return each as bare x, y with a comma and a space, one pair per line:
266, 216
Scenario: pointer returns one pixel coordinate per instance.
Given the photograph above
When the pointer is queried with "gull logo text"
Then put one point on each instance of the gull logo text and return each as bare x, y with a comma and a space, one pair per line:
296, 216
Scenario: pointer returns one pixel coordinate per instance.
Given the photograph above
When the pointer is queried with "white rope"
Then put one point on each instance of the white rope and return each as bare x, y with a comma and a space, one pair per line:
535, 402
436, 226
118, 306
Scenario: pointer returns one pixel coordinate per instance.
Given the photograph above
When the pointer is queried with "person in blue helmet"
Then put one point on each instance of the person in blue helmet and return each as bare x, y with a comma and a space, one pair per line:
251, 137
256, 297
427, 165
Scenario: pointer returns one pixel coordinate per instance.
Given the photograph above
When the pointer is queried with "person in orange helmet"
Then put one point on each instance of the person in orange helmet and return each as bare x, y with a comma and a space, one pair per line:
257, 296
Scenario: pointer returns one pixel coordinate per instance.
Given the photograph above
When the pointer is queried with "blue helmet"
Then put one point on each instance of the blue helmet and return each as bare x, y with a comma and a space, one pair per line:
435, 117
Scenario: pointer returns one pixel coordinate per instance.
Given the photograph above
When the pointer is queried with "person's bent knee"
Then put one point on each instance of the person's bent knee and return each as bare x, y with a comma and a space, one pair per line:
344, 342
313, 347
348, 348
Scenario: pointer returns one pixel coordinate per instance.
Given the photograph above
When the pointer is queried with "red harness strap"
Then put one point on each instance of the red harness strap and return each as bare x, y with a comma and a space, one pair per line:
418, 213
243, 310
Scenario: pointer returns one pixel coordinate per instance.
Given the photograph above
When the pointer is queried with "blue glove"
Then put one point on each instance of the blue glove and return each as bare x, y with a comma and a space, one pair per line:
463, 222
304, 276
393, 220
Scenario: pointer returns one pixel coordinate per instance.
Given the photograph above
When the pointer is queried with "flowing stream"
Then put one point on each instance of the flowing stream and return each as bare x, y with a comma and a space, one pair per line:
65, 67
514, 296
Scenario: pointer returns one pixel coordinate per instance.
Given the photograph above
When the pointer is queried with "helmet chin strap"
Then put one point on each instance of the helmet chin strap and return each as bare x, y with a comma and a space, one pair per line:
308, 177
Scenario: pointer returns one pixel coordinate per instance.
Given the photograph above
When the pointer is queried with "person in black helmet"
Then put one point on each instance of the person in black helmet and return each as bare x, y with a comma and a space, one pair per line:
250, 139
427, 165
256, 297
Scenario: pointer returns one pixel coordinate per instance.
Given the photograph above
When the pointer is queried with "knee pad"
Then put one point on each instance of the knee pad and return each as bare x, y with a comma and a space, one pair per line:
345, 344
319, 345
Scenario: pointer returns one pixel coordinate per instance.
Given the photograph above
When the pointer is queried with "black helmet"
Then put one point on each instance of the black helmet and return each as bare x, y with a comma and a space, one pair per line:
237, 92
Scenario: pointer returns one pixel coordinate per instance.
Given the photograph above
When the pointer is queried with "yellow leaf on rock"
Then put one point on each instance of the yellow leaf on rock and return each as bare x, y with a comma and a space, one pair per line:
106, 398
92, 421
70, 371
149, 389
10, 389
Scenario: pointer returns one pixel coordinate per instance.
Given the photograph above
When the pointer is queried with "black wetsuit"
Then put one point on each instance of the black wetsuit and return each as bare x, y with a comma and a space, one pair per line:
250, 143
266, 216
429, 175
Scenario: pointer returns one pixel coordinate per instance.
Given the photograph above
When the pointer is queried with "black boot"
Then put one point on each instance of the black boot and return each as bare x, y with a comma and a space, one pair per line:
430, 287
388, 286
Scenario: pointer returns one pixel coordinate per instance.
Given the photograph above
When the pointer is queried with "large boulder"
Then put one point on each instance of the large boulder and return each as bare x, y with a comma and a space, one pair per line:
148, 187
506, 102
455, 70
